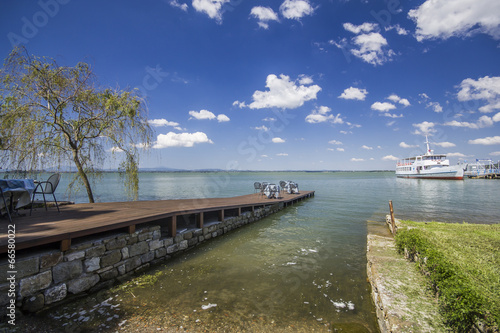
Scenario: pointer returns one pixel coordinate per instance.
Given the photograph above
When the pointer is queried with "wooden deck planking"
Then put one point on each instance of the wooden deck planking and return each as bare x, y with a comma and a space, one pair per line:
80, 220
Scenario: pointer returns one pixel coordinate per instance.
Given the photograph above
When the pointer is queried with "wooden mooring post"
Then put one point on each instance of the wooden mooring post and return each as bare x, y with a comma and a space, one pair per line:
393, 222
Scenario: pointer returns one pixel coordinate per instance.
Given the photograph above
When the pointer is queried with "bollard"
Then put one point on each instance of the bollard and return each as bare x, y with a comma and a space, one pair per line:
393, 222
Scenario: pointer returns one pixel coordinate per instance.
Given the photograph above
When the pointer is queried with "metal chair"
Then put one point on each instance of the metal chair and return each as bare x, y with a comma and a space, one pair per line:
50, 188
5, 205
256, 187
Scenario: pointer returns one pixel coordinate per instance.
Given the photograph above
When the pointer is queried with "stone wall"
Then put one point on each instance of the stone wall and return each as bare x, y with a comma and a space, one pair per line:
47, 277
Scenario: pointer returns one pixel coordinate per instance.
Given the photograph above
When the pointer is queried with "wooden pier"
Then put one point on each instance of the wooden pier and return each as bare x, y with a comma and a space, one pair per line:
82, 220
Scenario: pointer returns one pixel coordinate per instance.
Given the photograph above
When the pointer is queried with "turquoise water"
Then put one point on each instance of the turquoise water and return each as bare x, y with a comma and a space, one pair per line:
302, 269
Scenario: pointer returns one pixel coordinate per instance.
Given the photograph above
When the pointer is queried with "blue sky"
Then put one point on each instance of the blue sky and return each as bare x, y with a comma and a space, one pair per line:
288, 84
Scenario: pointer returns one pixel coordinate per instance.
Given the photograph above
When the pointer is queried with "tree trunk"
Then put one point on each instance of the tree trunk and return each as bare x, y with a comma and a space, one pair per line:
83, 176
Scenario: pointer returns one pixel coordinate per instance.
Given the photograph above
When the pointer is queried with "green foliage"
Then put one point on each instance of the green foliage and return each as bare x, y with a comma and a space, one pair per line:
462, 286
54, 115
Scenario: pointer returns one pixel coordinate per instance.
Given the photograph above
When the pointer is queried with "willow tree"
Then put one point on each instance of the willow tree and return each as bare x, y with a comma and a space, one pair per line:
51, 114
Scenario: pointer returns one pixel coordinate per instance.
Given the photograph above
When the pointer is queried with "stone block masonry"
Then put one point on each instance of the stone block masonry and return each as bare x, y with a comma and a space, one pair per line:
50, 277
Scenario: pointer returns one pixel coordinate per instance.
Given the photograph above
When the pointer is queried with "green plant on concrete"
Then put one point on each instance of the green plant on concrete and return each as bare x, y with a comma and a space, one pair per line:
466, 288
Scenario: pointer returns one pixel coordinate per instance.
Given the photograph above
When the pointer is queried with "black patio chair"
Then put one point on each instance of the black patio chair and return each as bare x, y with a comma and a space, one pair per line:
5, 205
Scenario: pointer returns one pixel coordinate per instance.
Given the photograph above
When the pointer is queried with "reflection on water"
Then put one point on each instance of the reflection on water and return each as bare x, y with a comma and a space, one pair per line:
303, 269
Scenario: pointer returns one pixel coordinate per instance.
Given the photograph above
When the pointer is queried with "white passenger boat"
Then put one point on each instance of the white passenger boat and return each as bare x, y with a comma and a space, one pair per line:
429, 166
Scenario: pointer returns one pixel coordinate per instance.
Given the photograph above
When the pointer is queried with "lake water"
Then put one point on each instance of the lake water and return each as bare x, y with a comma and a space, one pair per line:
302, 269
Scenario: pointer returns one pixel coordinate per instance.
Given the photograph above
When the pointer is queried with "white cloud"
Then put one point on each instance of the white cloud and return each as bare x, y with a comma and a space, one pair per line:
435, 106
458, 18
490, 140
444, 144
425, 128
340, 149
262, 128
282, 154
283, 93
205, 114
456, 155
357, 159
495, 153
296, 9
496, 118
213, 8
222, 118
400, 30
239, 104
372, 48
321, 115
396, 99
162, 122
485, 88
182, 6
390, 158
201, 115
405, 145
383, 107
368, 44
278, 140
264, 15
354, 93
356, 29
305, 79
172, 139
483, 121
335, 142
366, 147
269, 119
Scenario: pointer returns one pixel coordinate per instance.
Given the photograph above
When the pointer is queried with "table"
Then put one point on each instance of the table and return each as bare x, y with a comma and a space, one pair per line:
19, 191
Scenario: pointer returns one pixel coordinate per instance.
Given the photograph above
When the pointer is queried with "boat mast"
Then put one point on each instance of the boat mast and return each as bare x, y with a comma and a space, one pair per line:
429, 151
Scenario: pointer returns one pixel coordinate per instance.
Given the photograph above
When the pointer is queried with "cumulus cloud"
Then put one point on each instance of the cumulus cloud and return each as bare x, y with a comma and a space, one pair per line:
490, 140
372, 48
483, 121
283, 93
368, 44
425, 128
205, 114
322, 114
444, 19
435, 106
213, 8
172, 139
182, 6
221, 118
383, 106
335, 142
357, 159
282, 154
485, 88
390, 158
456, 155
396, 99
278, 140
445, 144
354, 93
264, 15
405, 145
262, 128
296, 9
400, 30
162, 122
366, 147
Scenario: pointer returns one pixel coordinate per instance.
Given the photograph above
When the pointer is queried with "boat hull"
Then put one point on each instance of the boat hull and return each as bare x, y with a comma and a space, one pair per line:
454, 174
